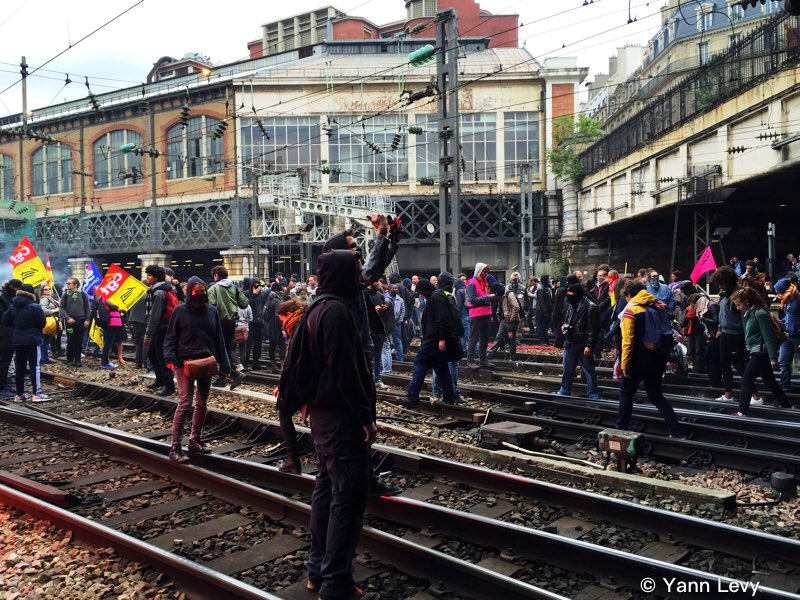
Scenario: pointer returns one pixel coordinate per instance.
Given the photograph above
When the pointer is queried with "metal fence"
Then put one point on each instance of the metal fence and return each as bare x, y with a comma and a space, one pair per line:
765, 51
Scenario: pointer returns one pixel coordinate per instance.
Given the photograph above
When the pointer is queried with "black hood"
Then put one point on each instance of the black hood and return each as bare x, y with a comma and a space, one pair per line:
337, 242
338, 273
445, 281
193, 281
425, 288
459, 285
394, 278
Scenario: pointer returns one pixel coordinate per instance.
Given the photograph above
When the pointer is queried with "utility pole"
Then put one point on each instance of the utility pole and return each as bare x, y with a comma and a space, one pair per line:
526, 220
23, 70
449, 147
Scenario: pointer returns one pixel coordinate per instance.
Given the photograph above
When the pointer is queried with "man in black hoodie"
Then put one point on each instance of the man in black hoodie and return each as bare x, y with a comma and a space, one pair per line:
342, 425
157, 322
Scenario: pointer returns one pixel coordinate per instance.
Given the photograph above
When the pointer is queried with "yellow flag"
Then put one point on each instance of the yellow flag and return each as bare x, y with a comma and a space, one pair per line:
26, 264
96, 334
120, 288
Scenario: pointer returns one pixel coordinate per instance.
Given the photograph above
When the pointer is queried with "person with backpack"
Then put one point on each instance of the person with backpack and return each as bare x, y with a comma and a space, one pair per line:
507, 331
580, 329
787, 295
763, 336
645, 331
194, 333
326, 369
160, 303
228, 299
51, 308
75, 309
255, 340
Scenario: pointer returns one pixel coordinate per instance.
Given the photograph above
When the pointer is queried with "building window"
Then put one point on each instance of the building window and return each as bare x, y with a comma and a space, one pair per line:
358, 162
52, 170
521, 131
736, 12
479, 146
734, 39
702, 53
705, 19
192, 151
112, 167
289, 143
6, 177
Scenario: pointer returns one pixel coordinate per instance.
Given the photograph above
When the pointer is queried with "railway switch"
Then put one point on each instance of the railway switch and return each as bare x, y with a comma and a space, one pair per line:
624, 445
494, 435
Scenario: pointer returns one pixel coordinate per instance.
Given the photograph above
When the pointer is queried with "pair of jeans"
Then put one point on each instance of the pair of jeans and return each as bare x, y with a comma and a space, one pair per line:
74, 341
478, 334
397, 341
759, 366
228, 330
156, 355
785, 358
506, 331
465, 337
429, 357
386, 357
542, 325
377, 356
110, 338
46, 341
651, 374
26, 358
337, 515
573, 356
188, 388
732, 353
254, 342
289, 433
452, 367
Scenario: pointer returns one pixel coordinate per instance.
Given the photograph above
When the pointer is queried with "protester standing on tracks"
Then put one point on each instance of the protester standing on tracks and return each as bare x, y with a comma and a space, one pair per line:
640, 364
479, 302
160, 296
26, 317
445, 284
762, 343
51, 308
109, 319
137, 324
273, 332
255, 340
75, 309
384, 307
786, 292
559, 309
732, 350
580, 331
512, 314
228, 299
194, 332
342, 424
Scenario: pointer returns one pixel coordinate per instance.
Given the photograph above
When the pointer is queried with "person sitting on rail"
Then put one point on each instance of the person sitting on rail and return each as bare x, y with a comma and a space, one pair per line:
194, 332
762, 343
640, 363
580, 330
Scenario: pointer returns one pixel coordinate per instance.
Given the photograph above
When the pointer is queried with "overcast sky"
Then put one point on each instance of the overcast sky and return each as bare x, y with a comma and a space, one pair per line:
122, 52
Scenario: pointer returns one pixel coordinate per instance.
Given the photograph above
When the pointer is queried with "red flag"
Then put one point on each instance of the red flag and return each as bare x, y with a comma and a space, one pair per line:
49, 268
704, 265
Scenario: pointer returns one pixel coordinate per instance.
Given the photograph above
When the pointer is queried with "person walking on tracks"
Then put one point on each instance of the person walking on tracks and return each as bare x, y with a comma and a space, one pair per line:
580, 329
194, 334
645, 326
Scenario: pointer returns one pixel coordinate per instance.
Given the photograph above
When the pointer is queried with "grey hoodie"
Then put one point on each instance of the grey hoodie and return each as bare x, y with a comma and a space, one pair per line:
479, 267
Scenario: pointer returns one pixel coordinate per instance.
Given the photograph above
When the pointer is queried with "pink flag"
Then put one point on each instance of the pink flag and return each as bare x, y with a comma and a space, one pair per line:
704, 265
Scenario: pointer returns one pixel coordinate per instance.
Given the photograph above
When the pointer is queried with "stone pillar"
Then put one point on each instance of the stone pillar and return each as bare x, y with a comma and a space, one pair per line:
77, 268
241, 262
160, 260
569, 201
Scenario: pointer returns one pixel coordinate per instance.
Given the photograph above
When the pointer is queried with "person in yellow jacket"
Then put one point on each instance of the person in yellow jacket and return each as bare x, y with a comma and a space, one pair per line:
638, 364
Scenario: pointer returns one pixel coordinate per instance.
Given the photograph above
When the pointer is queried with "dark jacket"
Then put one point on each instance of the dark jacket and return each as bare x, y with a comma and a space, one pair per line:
156, 301
730, 319
440, 319
343, 399
544, 301
582, 320
75, 305
195, 335
257, 303
138, 312
27, 318
601, 296
460, 294
377, 298
272, 322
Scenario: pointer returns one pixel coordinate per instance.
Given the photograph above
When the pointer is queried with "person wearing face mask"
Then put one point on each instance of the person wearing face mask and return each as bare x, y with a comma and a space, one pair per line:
194, 332
661, 291
580, 336
601, 296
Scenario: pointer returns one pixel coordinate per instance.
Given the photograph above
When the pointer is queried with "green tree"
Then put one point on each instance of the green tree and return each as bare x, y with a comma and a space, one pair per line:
567, 134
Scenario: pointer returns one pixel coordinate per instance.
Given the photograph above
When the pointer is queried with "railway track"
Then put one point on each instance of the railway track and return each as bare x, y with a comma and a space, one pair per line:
579, 514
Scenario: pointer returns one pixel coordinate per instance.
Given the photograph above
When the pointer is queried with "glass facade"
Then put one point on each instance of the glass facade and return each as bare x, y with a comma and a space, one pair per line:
290, 143
192, 151
359, 163
6, 177
52, 170
479, 146
521, 133
111, 165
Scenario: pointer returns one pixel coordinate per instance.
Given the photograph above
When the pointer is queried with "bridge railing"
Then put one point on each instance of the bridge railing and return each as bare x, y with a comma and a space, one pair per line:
773, 47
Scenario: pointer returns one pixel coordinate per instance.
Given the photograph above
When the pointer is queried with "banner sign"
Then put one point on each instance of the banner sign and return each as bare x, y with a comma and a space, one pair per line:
704, 265
26, 264
91, 279
120, 288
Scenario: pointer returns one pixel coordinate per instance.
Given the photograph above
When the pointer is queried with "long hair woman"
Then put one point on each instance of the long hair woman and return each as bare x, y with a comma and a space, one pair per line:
194, 332
51, 306
762, 343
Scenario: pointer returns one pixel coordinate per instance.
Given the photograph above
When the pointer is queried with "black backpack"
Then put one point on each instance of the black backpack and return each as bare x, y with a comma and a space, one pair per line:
300, 374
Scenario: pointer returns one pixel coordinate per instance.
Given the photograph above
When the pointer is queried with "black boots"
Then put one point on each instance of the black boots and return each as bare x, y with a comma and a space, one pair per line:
409, 401
176, 454
291, 465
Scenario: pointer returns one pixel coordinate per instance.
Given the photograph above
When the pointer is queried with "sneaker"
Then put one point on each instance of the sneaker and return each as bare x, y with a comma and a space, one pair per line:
725, 398
78, 364
738, 414
409, 402
154, 385
756, 401
6, 393
20, 399
219, 382
290, 465
108, 366
40, 398
236, 379
197, 448
178, 456
379, 488
473, 365
381, 386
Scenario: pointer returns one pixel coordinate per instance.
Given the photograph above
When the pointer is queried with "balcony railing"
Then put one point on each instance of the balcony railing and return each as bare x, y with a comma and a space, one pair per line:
765, 51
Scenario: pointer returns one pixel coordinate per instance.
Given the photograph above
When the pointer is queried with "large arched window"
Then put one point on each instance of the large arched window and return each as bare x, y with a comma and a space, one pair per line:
114, 168
6, 177
52, 170
193, 150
